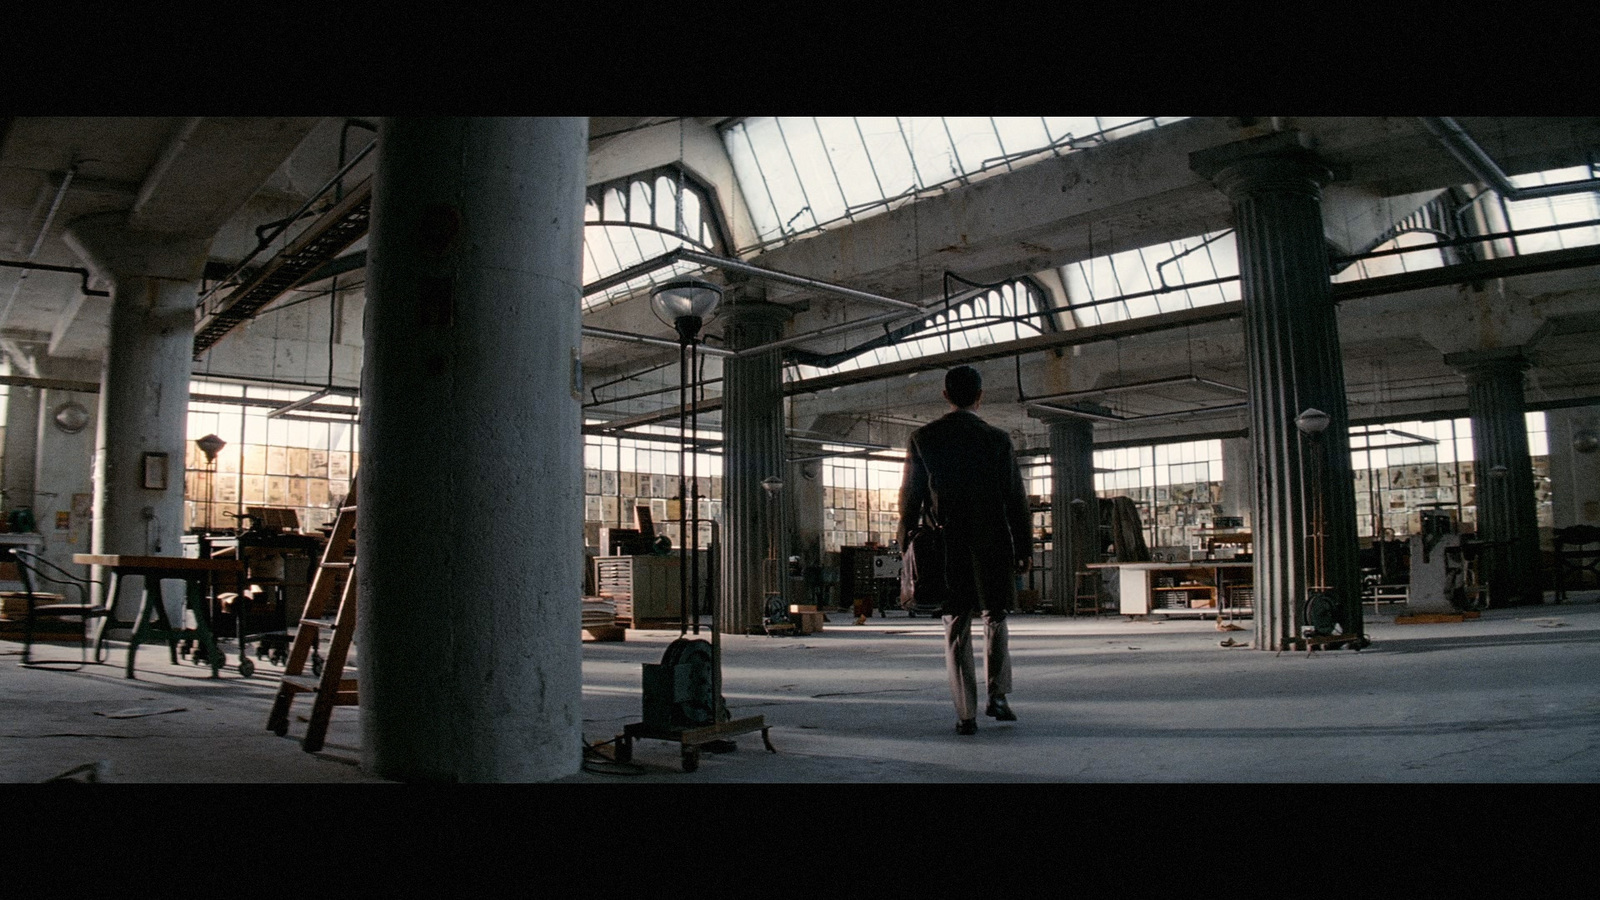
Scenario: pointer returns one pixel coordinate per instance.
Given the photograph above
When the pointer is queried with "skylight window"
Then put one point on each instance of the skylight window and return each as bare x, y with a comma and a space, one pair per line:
1006, 313
1559, 210
630, 220
1145, 281
803, 173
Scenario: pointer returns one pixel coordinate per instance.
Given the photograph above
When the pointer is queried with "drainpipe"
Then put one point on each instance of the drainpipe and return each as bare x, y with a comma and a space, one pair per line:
1464, 148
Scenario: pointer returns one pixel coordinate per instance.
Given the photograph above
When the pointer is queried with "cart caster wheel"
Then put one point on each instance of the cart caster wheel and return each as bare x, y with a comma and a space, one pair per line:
246, 668
691, 760
624, 752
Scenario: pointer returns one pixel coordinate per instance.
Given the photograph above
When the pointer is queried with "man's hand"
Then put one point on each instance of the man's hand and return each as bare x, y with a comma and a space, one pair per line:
1024, 564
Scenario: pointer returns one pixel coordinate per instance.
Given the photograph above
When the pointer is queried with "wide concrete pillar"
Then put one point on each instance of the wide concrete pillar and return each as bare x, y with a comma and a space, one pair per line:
1507, 509
21, 444
1294, 362
471, 487
806, 506
1239, 479
752, 450
144, 391
1574, 465
1074, 507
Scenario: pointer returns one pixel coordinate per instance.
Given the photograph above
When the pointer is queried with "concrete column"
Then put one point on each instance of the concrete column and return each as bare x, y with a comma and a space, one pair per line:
805, 505
1238, 479
752, 450
1074, 507
1574, 465
1294, 362
64, 465
1507, 509
471, 487
21, 444
144, 391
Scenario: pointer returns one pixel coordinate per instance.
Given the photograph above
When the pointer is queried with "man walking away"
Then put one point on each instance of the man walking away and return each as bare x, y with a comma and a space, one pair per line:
961, 472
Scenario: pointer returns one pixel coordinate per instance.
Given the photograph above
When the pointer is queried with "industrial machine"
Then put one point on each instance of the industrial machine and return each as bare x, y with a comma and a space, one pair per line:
1441, 572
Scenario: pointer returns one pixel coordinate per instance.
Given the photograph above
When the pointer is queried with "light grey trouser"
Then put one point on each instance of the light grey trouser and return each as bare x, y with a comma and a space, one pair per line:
958, 660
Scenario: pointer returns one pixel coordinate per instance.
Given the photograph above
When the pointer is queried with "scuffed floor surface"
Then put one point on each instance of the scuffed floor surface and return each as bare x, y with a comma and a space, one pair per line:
1509, 697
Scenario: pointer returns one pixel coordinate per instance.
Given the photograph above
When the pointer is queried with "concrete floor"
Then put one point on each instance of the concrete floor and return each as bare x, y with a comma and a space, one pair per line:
1510, 697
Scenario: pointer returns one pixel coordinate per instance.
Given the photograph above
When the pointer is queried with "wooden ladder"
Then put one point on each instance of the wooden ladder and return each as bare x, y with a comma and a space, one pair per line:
327, 681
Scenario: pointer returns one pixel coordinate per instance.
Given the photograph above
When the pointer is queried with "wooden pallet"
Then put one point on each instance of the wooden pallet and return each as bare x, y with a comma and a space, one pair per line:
1434, 618
605, 633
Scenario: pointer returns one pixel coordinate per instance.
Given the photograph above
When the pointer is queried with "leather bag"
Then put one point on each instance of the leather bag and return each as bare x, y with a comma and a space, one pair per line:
923, 585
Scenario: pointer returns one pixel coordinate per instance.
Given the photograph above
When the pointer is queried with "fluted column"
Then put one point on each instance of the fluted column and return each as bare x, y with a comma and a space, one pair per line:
1074, 508
1507, 509
1294, 361
752, 450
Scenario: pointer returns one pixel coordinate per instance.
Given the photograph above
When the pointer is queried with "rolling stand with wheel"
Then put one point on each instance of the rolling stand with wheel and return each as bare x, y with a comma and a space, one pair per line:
679, 706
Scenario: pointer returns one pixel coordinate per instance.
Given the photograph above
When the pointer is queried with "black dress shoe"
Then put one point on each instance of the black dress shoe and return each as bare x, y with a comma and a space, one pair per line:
967, 726
1001, 710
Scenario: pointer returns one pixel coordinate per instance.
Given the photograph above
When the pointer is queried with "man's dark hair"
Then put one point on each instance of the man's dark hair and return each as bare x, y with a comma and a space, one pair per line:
963, 384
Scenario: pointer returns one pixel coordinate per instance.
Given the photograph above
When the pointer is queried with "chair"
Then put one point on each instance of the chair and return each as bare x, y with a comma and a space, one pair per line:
1577, 551
1086, 593
76, 601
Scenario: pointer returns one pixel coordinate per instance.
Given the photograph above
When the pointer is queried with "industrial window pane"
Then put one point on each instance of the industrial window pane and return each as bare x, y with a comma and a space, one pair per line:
752, 181
1545, 211
855, 171
812, 164
888, 153
931, 152
975, 142
1020, 133
782, 182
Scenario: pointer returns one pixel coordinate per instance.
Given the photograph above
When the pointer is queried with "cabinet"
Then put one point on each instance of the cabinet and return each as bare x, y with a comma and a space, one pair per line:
647, 589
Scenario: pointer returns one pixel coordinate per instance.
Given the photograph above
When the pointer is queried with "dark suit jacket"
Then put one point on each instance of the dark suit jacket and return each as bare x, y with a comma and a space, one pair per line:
962, 472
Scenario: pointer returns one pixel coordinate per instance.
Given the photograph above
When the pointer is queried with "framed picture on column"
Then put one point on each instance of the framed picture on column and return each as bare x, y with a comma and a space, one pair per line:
155, 471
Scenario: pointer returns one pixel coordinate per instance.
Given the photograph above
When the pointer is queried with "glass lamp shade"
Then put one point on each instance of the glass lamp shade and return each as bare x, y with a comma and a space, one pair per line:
685, 298
1312, 421
773, 484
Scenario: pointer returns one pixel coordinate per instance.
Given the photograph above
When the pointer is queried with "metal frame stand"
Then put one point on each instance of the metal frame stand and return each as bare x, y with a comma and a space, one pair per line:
714, 736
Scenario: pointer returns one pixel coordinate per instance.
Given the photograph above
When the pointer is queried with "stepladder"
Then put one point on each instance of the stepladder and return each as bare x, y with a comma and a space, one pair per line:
331, 611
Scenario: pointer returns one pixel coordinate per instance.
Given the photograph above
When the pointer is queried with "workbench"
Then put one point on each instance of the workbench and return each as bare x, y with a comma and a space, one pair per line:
1203, 587
151, 622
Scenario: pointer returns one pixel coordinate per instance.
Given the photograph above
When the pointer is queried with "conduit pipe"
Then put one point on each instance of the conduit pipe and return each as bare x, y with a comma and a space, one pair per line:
158, 172
606, 334
1485, 169
734, 265
82, 273
38, 241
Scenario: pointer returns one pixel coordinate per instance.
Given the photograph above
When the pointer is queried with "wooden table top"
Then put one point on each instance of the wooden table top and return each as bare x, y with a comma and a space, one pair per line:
133, 563
1190, 564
